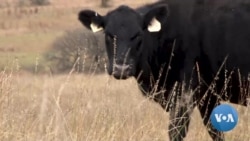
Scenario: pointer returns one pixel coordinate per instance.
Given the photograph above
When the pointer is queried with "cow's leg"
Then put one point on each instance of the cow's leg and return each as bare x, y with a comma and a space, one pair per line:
184, 105
178, 126
180, 117
206, 107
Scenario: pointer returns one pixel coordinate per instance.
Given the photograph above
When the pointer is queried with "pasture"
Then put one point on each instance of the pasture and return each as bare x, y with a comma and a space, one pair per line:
72, 106
78, 107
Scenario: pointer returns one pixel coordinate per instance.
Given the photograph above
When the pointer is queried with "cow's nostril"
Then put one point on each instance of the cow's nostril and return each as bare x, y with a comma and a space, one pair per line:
121, 67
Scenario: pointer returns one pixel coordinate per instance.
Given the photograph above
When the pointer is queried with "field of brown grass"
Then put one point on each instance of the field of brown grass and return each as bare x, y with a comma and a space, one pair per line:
75, 107
78, 107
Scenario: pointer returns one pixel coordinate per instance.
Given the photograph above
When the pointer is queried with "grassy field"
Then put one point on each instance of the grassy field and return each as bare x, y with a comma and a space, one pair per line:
89, 108
75, 107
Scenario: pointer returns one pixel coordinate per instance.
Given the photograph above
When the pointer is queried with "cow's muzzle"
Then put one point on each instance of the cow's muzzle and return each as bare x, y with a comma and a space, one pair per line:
121, 71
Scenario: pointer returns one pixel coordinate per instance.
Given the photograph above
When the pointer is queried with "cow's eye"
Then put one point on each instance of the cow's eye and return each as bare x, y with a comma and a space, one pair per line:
136, 37
109, 37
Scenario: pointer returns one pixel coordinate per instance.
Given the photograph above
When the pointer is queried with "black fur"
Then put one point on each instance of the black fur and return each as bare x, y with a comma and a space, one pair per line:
200, 34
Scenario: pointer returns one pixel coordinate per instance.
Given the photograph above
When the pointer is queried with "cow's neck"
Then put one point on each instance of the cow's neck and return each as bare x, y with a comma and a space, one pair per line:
149, 78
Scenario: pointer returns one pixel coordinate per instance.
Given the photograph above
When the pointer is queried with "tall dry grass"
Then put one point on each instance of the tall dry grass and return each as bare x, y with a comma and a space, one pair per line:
78, 107
75, 107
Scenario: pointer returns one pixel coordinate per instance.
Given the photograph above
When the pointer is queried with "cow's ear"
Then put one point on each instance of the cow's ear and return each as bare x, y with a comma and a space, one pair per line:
91, 20
155, 18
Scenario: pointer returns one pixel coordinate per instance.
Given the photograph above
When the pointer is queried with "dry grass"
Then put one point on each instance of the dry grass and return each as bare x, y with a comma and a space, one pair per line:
88, 108
75, 108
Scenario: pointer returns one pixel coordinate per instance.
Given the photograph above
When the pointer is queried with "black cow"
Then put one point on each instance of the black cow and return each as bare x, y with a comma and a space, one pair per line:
204, 45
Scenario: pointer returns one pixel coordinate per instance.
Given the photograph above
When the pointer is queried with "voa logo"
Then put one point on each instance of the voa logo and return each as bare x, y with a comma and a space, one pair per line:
224, 117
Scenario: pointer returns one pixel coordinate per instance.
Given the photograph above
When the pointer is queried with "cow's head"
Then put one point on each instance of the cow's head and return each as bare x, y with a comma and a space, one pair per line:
125, 31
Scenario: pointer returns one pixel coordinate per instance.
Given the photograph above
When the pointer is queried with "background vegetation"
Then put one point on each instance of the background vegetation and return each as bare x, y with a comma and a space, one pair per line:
80, 47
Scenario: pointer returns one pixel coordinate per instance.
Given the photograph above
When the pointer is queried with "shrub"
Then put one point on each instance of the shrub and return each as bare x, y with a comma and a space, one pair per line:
105, 3
39, 2
80, 49
33, 2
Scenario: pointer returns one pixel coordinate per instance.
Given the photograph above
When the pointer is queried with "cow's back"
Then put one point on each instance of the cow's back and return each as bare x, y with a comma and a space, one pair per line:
216, 28
226, 31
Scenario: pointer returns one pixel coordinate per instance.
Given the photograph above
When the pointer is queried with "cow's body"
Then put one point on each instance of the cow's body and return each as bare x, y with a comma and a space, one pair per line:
209, 35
